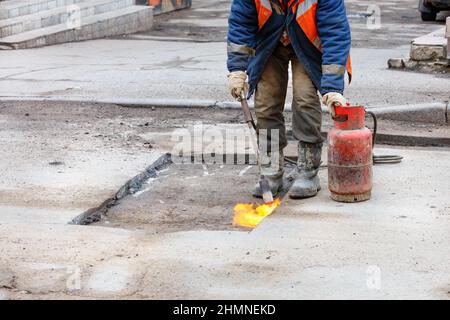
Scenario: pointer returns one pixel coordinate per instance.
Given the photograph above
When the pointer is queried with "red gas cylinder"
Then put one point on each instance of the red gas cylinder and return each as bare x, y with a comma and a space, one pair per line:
350, 156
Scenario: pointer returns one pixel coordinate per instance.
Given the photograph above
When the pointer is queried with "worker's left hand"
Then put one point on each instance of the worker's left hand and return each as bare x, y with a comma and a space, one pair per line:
332, 100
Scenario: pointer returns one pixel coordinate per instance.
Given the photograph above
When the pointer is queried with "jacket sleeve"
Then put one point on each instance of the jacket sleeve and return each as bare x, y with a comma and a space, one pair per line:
242, 29
334, 31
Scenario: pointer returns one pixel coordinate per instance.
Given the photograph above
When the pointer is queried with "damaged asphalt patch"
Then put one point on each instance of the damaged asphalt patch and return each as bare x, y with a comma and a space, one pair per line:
185, 197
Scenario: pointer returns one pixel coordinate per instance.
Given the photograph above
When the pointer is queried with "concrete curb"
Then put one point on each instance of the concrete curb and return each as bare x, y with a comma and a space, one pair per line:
436, 113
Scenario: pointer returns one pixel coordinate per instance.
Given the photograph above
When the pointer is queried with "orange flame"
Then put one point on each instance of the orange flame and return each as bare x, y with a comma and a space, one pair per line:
246, 215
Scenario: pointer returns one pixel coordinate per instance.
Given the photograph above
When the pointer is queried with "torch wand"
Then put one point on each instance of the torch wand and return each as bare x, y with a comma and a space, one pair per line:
263, 183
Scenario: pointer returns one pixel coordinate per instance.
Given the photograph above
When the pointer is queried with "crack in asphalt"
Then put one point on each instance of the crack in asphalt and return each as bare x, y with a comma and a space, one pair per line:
30, 71
131, 187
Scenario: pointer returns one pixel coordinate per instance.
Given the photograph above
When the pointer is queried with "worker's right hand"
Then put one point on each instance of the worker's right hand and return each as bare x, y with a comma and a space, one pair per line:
237, 83
332, 100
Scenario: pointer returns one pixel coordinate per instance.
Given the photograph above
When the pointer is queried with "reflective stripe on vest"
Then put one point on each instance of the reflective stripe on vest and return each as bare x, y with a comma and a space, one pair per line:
306, 18
264, 10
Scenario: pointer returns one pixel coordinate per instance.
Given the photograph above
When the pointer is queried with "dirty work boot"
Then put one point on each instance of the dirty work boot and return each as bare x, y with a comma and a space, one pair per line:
307, 182
272, 173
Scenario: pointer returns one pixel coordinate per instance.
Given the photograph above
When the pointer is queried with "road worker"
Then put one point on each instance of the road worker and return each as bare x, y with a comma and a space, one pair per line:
264, 37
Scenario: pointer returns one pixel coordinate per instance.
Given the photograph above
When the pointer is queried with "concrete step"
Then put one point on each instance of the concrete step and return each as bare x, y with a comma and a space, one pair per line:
429, 47
118, 22
429, 53
58, 15
12, 9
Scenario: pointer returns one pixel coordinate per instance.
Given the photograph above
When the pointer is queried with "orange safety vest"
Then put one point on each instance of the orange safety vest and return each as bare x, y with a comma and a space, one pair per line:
306, 18
264, 10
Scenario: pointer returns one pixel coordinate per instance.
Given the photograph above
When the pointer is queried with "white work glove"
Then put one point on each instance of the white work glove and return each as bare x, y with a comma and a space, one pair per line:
332, 100
237, 83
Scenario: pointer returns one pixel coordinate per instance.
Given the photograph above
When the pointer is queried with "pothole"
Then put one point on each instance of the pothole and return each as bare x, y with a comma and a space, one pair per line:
170, 197
185, 198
